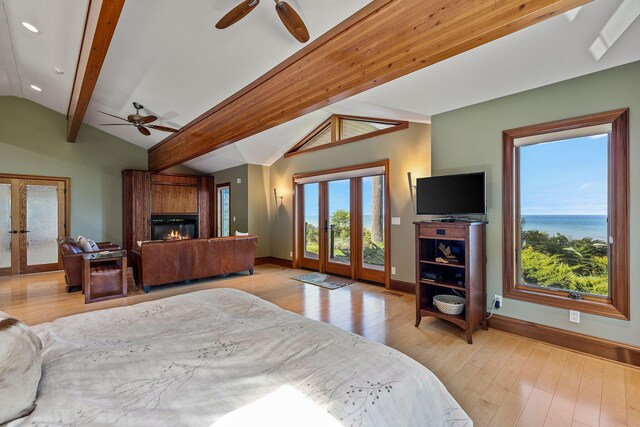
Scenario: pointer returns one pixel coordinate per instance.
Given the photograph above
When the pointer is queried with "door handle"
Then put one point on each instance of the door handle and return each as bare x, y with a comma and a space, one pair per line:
326, 223
13, 232
24, 231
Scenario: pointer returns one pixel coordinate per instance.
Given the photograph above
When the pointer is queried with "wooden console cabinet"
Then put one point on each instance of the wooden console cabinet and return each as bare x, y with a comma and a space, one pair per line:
145, 194
462, 275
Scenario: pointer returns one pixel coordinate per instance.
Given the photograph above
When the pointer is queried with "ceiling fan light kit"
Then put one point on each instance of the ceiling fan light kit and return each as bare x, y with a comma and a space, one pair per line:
139, 121
289, 17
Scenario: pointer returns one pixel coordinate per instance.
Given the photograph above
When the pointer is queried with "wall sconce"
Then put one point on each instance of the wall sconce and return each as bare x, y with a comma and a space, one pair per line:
275, 195
411, 188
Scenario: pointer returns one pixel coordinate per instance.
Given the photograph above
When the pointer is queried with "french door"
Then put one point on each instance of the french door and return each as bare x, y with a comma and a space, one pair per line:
342, 226
33, 214
338, 226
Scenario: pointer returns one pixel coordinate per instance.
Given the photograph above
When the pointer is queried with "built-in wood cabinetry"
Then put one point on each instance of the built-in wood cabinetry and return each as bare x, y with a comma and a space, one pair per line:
461, 272
174, 199
146, 194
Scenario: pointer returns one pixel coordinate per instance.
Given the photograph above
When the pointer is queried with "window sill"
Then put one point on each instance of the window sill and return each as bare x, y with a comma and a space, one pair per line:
561, 300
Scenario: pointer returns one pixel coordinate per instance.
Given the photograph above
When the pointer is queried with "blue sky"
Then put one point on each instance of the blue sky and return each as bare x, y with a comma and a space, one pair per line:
566, 178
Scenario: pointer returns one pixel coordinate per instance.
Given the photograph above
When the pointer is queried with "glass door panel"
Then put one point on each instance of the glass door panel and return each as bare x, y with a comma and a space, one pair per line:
311, 221
42, 224
373, 231
309, 228
223, 210
339, 227
6, 234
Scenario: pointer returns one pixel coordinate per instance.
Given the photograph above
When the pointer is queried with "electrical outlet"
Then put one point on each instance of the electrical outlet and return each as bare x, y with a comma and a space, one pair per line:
498, 301
574, 316
393, 270
291, 254
239, 181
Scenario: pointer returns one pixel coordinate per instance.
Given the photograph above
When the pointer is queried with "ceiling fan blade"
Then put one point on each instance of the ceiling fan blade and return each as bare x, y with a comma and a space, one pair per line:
116, 124
163, 128
114, 116
292, 21
144, 131
237, 13
148, 119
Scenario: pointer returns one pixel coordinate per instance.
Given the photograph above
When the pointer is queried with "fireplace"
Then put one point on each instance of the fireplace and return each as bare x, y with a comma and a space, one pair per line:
174, 227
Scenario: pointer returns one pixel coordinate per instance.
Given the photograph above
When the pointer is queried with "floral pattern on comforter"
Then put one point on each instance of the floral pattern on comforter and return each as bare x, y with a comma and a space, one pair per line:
225, 357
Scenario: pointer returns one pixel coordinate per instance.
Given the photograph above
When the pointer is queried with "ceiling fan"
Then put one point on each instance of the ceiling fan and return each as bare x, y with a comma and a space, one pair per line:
139, 121
288, 16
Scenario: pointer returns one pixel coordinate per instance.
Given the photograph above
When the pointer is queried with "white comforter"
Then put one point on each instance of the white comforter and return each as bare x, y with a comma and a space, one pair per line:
224, 357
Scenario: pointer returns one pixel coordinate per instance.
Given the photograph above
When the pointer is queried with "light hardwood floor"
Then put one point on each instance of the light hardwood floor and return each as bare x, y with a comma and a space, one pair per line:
500, 380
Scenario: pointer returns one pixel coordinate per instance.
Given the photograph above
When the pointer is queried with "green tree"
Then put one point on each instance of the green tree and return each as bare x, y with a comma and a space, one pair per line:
341, 221
558, 262
376, 209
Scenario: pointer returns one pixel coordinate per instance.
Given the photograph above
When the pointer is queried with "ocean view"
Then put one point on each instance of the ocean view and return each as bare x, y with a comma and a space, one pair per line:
572, 226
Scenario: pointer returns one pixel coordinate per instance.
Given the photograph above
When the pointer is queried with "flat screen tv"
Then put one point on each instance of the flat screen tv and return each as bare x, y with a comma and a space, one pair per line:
462, 194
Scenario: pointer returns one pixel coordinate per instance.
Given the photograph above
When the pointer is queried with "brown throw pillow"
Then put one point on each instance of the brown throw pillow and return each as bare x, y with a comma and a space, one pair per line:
20, 368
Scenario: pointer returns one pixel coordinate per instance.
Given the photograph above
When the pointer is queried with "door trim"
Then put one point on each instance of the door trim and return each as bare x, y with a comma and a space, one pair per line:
218, 214
387, 211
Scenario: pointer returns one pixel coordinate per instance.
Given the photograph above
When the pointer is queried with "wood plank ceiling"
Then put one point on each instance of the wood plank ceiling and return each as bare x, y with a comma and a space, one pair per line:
383, 41
102, 19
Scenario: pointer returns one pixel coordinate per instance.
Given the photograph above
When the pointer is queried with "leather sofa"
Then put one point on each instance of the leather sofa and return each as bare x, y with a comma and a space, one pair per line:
161, 262
71, 254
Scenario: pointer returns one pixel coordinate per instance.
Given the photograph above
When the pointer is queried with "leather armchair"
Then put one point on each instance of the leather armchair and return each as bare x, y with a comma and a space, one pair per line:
71, 255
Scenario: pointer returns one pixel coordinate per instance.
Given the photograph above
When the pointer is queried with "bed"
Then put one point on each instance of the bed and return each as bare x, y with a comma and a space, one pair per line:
224, 357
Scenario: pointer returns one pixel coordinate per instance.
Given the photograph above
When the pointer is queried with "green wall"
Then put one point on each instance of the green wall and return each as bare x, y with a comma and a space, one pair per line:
259, 194
239, 195
408, 150
249, 202
470, 139
33, 142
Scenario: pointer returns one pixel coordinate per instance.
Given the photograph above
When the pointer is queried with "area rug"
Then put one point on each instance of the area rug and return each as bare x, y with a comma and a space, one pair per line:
324, 280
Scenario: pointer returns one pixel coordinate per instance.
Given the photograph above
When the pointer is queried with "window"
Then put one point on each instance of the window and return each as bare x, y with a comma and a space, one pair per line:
339, 129
565, 202
222, 216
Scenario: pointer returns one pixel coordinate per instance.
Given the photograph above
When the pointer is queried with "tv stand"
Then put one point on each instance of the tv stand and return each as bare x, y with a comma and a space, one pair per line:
462, 273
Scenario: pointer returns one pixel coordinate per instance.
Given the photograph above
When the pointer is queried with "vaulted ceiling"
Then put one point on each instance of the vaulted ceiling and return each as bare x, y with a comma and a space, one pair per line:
168, 56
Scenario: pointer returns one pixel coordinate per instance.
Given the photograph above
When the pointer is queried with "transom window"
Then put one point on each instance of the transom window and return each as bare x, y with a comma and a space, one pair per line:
339, 129
565, 212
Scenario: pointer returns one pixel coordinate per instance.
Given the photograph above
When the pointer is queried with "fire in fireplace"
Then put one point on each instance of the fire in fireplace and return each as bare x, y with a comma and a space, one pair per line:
164, 227
176, 235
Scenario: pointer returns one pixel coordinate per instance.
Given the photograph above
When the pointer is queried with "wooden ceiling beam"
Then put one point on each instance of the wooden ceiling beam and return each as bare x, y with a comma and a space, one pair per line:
385, 40
100, 24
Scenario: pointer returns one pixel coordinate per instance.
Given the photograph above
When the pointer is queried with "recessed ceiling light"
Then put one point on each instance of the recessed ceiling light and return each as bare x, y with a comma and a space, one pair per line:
30, 27
37, 88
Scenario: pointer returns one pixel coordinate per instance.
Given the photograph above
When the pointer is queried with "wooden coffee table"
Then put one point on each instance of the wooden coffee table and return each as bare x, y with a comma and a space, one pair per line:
104, 280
